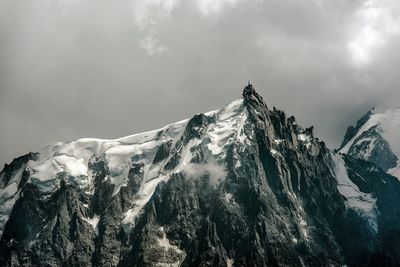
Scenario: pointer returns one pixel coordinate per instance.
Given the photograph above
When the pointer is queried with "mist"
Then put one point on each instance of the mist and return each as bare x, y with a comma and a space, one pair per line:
106, 69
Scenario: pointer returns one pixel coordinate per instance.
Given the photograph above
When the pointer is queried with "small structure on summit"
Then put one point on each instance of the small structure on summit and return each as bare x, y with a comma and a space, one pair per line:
249, 89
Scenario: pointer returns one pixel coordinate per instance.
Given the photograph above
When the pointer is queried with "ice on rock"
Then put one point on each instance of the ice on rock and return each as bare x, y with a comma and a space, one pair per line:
228, 126
9, 191
303, 226
8, 197
143, 196
94, 221
165, 243
279, 141
45, 174
71, 159
228, 197
395, 171
119, 158
75, 167
305, 139
229, 262
363, 203
388, 125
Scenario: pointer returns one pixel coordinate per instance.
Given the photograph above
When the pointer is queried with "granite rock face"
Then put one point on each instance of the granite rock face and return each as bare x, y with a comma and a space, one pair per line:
240, 186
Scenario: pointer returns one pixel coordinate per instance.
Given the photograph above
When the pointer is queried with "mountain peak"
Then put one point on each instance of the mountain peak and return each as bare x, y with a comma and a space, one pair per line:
248, 90
252, 99
222, 178
375, 139
352, 130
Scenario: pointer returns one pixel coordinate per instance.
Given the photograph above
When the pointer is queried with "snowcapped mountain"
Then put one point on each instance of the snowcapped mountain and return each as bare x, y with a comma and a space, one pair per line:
240, 186
376, 138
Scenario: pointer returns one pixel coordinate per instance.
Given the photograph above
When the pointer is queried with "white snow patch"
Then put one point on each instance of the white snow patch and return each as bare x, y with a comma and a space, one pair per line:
363, 203
366, 153
8, 196
303, 137
372, 169
9, 191
395, 172
166, 244
140, 148
303, 227
94, 221
171, 130
119, 158
6, 209
278, 141
229, 262
45, 172
164, 241
75, 167
143, 196
228, 126
228, 197
241, 136
119, 155
273, 152
238, 164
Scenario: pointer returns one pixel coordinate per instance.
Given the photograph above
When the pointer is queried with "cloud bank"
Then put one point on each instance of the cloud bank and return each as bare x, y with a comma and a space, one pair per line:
71, 69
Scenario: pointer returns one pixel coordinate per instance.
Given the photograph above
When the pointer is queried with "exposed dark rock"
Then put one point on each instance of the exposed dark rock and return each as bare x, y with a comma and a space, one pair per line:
352, 130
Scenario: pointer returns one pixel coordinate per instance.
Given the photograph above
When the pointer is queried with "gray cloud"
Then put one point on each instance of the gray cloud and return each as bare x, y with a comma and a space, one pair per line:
71, 69
212, 171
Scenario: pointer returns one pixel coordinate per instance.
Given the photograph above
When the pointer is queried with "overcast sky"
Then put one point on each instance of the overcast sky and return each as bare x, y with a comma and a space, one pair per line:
110, 68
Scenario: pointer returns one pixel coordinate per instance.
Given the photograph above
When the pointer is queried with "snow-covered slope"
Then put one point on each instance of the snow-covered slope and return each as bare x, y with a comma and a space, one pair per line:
361, 202
376, 138
71, 160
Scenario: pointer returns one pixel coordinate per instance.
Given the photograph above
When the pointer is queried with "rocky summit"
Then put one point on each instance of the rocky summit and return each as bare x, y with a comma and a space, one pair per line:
244, 185
376, 138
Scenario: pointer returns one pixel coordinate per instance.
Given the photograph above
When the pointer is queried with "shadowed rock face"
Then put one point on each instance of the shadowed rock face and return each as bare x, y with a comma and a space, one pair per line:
352, 131
381, 153
243, 186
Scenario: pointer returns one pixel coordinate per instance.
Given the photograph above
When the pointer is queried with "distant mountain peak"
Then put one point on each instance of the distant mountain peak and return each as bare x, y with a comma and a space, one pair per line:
376, 138
352, 130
